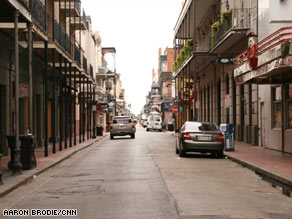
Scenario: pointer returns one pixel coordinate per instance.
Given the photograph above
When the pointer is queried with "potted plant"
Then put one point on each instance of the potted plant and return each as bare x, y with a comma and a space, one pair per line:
226, 19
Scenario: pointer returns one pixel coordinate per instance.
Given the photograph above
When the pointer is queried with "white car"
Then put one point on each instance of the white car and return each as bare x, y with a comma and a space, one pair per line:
154, 122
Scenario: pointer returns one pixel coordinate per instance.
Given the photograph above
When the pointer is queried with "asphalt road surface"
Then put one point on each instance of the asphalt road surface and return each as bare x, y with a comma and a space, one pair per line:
144, 178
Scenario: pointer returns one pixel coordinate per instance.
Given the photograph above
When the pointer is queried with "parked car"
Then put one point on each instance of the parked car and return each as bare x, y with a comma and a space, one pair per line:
121, 126
154, 122
204, 137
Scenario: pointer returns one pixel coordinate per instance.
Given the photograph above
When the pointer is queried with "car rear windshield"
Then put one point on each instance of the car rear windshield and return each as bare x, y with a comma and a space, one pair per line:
122, 121
202, 127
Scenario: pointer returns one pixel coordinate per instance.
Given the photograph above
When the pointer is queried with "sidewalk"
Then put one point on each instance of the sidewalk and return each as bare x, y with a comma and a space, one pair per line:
11, 182
273, 166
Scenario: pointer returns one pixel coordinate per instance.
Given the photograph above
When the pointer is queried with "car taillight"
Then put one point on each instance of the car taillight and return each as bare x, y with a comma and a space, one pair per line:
187, 136
221, 137
111, 125
133, 125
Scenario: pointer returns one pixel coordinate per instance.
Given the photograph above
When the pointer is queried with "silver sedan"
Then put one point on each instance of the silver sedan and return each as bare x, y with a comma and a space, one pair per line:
203, 137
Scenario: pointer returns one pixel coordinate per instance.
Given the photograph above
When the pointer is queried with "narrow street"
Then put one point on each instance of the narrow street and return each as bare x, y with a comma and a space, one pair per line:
144, 178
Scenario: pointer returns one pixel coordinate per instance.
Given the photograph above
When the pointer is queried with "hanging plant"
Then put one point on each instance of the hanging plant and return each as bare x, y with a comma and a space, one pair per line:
215, 28
184, 54
226, 19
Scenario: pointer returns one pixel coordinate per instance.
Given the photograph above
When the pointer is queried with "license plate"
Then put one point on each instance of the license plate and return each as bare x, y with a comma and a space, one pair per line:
157, 123
122, 126
204, 138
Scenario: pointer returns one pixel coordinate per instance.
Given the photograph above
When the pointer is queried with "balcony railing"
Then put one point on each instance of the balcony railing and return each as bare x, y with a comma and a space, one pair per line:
239, 19
85, 63
202, 45
62, 37
77, 55
67, 43
39, 13
78, 6
26, 3
91, 71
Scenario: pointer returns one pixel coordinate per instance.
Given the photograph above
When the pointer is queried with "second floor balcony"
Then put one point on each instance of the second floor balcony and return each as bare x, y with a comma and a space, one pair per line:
232, 27
77, 55
84, 64
62, 37
72, 8
39, 13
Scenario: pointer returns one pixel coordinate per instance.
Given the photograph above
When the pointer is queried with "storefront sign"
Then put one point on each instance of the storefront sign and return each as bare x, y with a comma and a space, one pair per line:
264, 69
225, 60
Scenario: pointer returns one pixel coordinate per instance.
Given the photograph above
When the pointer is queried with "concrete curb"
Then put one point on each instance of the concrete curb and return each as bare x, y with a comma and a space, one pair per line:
43, 169
275, 179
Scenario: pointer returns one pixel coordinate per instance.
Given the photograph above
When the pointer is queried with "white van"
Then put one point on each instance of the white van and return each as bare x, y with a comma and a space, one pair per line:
154, 122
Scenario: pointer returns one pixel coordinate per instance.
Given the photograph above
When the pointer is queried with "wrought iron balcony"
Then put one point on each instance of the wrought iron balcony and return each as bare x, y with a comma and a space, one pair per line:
62, 37
85, 63
91, 71
231, 30
74, 7
68, 43
26, 3
77, 56
39, 13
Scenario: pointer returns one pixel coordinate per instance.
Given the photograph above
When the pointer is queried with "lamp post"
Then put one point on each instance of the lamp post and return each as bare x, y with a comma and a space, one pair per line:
16, 164
28, 32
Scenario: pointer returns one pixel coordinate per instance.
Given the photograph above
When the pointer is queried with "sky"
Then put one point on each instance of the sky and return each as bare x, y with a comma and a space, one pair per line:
137, 29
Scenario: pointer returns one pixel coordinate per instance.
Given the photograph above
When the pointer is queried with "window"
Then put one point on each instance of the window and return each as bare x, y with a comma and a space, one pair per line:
276, 107
197, 126
289, 102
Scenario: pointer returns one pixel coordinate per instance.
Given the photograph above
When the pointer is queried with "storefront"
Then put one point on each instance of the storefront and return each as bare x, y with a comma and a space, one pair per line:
269, 65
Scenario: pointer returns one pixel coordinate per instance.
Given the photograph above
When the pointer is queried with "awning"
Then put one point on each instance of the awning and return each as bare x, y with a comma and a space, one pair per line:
270, 57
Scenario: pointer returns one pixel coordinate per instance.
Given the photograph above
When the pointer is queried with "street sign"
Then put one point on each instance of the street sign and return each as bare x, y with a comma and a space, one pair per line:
175, 109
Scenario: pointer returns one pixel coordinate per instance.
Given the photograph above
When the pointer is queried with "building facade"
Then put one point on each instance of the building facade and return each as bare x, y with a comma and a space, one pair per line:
211, 87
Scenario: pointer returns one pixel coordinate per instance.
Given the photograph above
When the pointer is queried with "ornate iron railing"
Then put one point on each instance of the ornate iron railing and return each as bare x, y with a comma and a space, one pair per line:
39, 13
67, 44
85, 63
91, 71
239, 19
26, 3
78, 6
62, 37
77, 55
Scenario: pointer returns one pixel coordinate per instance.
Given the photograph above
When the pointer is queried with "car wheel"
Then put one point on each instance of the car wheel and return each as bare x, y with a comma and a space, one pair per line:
220, 154
112, 137
147, 130
181, 152
133, 136
160, 130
